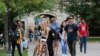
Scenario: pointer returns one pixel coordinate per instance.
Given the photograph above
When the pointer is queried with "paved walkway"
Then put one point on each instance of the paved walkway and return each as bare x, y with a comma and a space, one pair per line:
93, 49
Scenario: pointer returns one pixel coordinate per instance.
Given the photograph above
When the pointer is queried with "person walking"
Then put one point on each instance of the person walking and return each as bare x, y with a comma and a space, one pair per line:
71, 31
84, 33
22, 31
63, 40
16, 37
56, 28
51, 36
30, 33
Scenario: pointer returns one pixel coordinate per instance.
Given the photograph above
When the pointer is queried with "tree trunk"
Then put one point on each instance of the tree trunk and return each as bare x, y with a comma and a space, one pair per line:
6, 30
8, 21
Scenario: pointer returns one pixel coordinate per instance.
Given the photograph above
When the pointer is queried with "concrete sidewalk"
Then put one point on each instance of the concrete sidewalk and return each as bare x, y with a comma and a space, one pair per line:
93, 49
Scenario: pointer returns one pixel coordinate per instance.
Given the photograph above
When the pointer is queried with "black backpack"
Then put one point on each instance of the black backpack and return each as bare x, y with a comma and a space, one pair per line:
56, 35
14, 35
51, 34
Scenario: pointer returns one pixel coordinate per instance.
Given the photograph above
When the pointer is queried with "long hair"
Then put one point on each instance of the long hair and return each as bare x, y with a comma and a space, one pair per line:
61, 28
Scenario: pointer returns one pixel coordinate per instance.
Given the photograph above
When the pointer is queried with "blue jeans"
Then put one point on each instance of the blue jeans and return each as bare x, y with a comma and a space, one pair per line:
64, 47
83, 43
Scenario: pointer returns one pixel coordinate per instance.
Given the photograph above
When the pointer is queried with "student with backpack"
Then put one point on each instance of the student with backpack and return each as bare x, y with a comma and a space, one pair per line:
16, 37
84, 32
51, 37
56, 28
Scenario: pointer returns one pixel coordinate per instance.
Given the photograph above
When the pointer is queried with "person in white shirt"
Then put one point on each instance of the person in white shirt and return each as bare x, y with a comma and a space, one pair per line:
63, 39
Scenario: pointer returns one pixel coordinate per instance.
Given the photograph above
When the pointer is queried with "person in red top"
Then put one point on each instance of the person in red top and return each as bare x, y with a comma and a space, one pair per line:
83, 31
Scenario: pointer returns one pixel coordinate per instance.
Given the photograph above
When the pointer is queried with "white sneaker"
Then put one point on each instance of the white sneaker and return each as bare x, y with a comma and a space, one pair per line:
65, 54
62, 54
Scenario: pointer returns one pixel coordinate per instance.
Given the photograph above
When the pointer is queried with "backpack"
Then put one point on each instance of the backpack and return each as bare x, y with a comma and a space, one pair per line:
14, 35
51, 34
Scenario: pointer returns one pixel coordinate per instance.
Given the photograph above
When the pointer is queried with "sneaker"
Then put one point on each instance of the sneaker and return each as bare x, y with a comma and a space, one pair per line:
62, 54
65, 54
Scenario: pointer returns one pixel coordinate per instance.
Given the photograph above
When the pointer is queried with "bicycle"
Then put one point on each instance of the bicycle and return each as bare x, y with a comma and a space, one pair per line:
41, 48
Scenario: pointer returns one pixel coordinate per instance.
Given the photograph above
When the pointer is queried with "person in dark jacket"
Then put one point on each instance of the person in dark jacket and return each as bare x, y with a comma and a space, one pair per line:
18, 41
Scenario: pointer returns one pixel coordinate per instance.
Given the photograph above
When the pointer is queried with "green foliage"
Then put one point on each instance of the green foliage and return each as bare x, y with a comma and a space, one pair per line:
2, 7
2, 13
20, 7
90, 10
94, 39
3, 53
32, 5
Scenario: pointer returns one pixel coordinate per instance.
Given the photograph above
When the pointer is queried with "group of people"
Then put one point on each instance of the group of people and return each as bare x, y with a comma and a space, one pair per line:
67, 34
71, 32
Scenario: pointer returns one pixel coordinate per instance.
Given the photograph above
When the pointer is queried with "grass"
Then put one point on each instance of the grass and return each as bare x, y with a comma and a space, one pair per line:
97, 39
25, 53
3, 53
93, 39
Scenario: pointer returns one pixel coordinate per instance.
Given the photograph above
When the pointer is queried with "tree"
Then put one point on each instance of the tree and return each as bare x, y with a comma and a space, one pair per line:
9, 9
87, 9
2, 18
